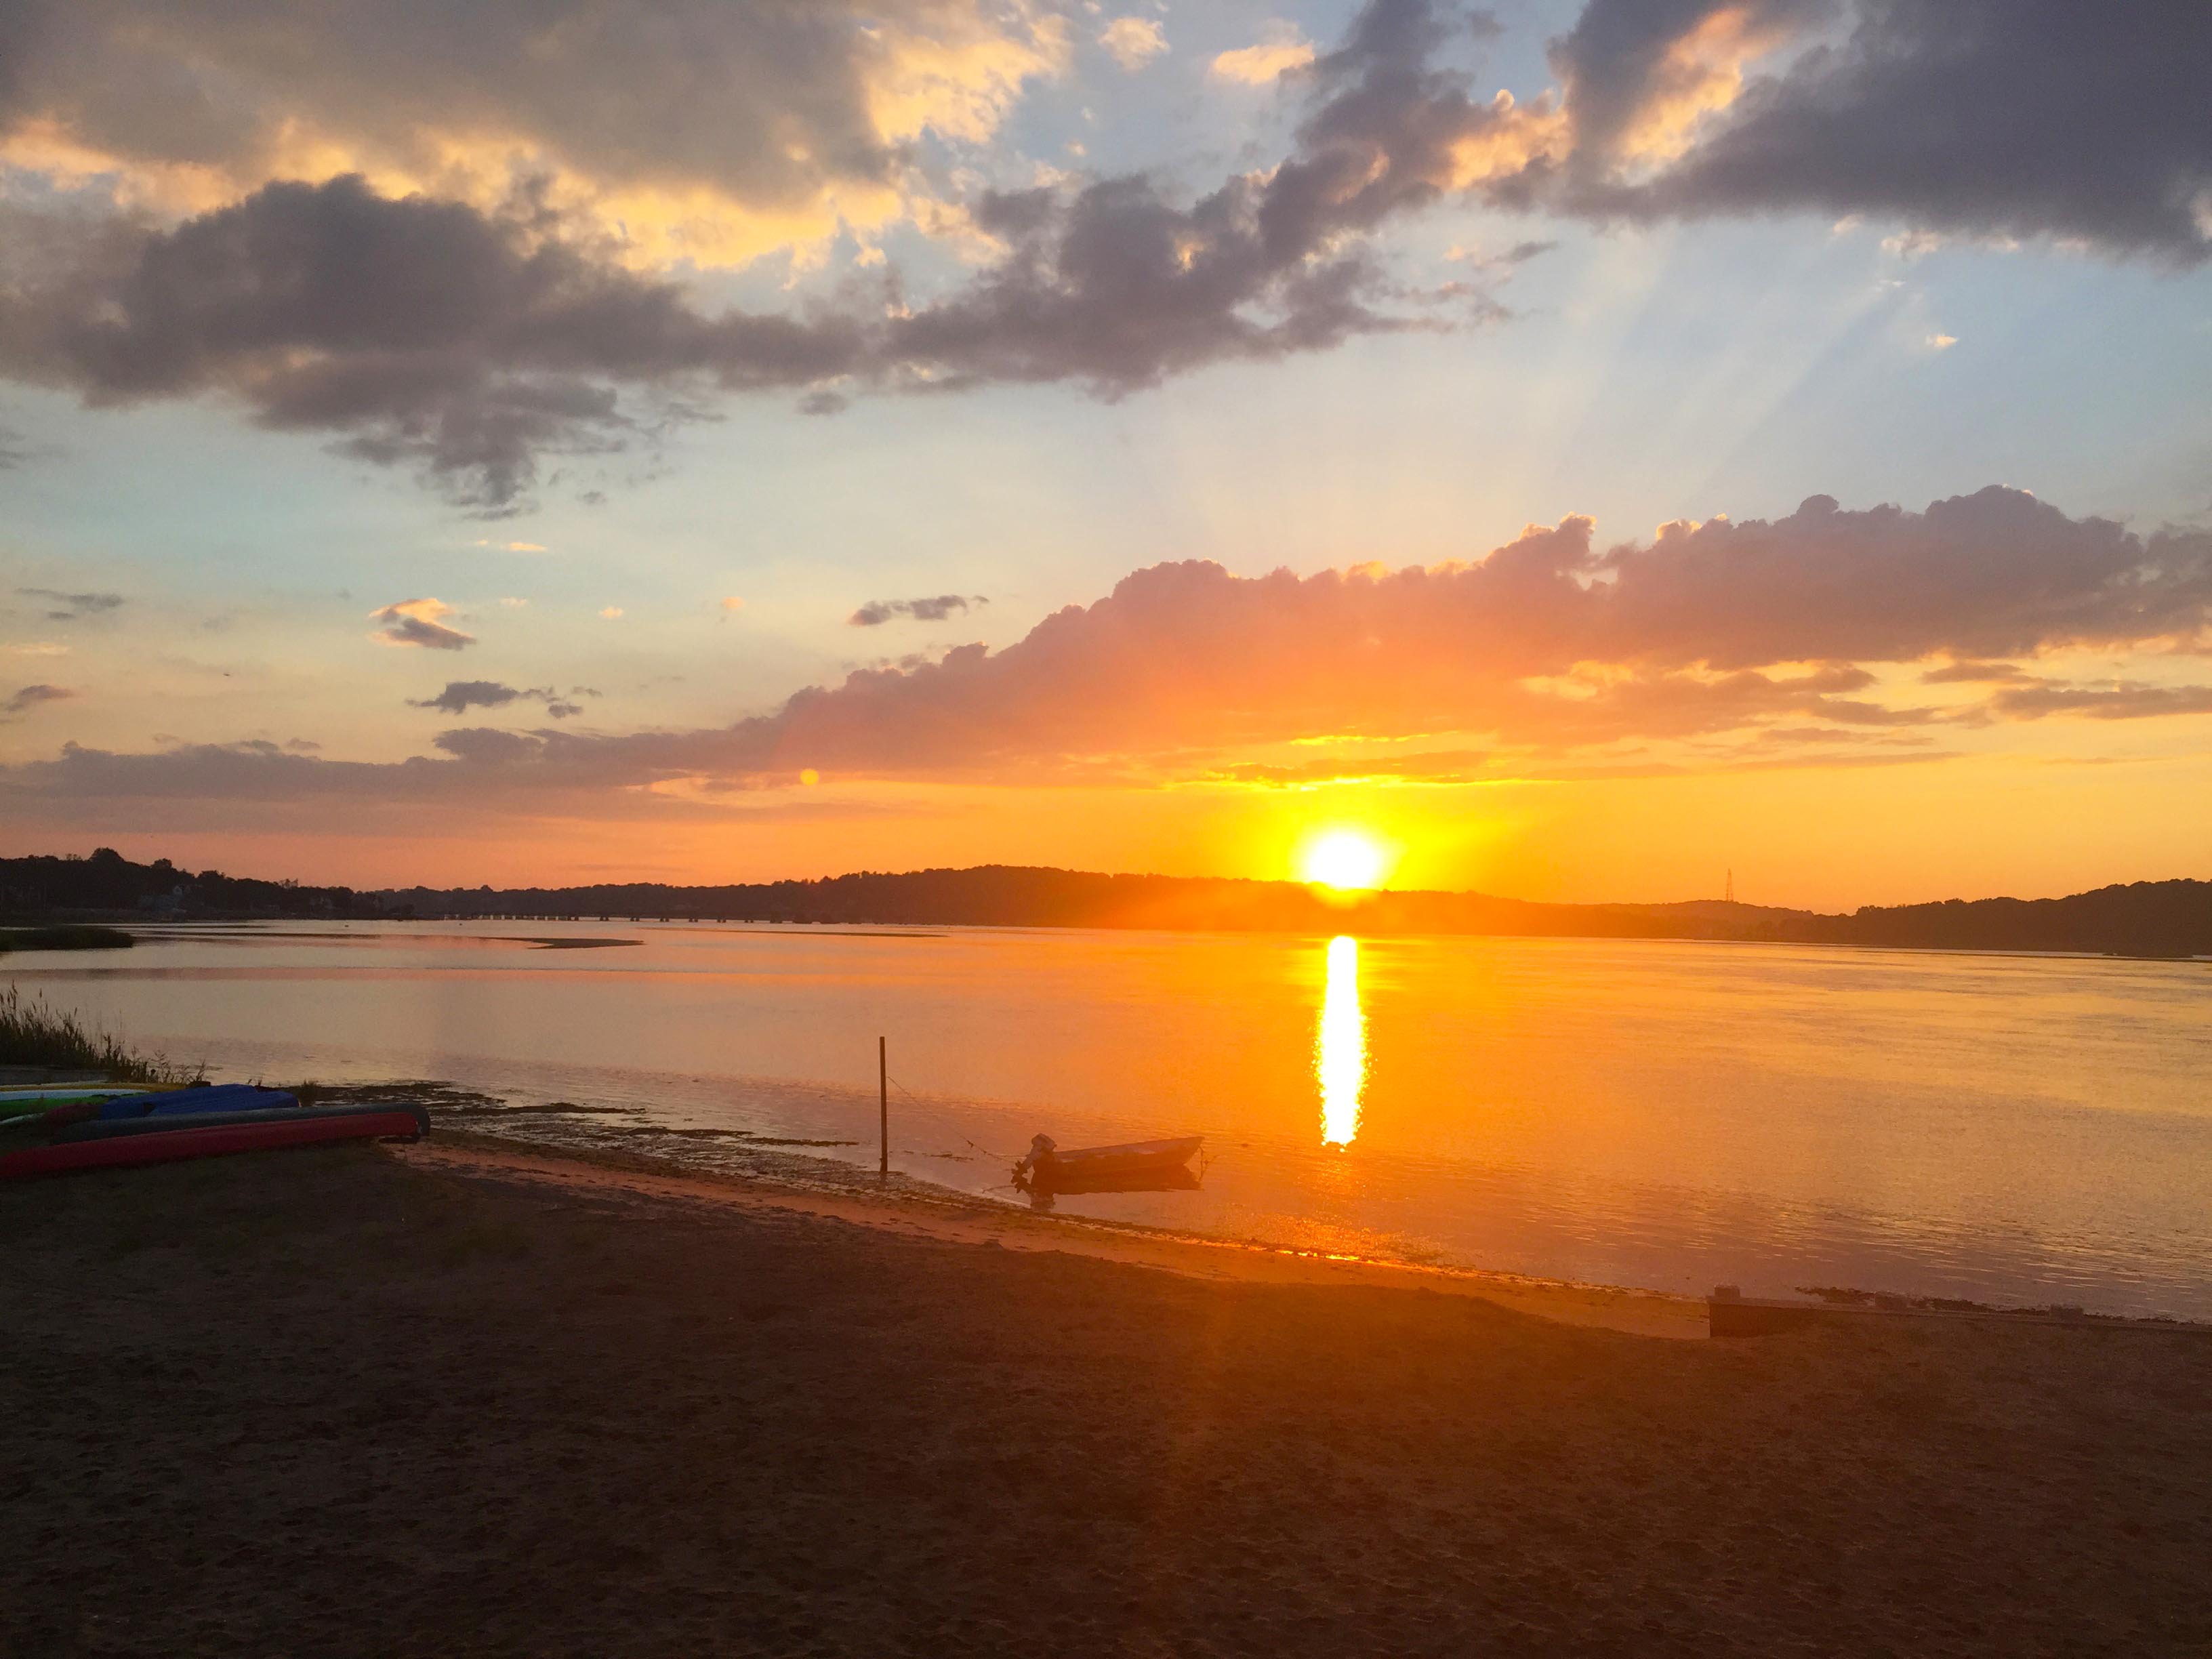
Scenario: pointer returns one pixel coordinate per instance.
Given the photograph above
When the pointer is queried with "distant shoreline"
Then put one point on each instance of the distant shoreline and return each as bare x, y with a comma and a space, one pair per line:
2150, 920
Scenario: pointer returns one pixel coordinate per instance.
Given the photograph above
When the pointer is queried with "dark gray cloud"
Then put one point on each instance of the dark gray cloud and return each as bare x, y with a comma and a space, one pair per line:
476, 342
1119, 287
461, 696
72, 607
1976, 673
2020, 118
2113, 700
425, 331
472, 344
877, 613
31, 696
767, 102
419, 621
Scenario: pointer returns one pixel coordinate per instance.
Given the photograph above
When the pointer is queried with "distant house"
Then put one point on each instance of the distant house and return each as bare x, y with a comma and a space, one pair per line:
171, 903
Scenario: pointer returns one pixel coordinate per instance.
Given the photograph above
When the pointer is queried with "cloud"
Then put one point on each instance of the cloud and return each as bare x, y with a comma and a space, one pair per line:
877, 613
2117, 700
1115, 286
509, 547
470, 339
1549, 645
1281, 49
1941, 341
712, 131
1133, 42
419, 621
611, 612
733, 602
1550, 640
460, 239
461, 696
72, 607
425, 332
1994, 119
1430, 766
1972, 673
31, 696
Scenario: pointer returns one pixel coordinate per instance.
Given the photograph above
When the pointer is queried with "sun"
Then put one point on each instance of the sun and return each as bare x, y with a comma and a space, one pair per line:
1348, 860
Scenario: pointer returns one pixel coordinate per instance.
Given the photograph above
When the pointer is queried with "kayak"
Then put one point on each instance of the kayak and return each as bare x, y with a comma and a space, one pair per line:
189, 1140
100, 1129
21, 1108
12, 1100
211, 1097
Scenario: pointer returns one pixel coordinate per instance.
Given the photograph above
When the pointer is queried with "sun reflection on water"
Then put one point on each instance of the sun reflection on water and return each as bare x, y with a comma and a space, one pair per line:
1340, 1046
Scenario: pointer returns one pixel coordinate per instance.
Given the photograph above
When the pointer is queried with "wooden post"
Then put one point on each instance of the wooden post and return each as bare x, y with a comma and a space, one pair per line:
883, 1108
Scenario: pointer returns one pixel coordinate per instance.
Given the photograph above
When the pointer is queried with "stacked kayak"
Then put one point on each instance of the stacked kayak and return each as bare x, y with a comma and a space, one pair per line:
195, 1101
21, 1106
124, 1130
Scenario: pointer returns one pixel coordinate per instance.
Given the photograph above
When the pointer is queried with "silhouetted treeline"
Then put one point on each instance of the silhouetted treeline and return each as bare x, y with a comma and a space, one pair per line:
107, 884
2160, 918
2143, 918
2172, 918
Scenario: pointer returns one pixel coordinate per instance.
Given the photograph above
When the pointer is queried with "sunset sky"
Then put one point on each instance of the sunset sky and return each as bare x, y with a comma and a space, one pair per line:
1589, 446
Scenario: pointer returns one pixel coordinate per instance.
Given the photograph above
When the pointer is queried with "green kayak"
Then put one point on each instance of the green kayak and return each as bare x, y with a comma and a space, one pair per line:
21, 1109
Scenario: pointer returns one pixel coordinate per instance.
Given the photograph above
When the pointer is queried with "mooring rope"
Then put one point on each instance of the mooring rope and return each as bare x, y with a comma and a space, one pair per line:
1010, 1158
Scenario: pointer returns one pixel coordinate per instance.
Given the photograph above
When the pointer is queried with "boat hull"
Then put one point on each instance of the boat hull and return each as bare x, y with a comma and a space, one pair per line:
109, 1129
215, 1141
193, 1102
1091, 1168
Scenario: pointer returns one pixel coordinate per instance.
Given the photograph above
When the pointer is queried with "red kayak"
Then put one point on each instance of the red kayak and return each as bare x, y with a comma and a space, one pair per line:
399, 1123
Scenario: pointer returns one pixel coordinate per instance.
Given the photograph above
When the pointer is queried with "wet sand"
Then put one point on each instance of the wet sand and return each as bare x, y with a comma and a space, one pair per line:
462, 1400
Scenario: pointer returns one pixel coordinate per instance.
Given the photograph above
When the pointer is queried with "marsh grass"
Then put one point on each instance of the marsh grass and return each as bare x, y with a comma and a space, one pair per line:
34, 1033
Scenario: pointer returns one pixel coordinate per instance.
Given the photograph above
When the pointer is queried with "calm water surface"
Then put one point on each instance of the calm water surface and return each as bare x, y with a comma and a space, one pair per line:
1662, 1114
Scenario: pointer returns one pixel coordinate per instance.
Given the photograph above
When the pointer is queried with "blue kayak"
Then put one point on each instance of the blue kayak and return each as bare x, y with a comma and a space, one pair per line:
215, 1097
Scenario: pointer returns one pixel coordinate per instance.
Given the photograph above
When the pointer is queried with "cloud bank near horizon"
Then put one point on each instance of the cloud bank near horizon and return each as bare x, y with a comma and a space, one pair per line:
1765, 636
465, 241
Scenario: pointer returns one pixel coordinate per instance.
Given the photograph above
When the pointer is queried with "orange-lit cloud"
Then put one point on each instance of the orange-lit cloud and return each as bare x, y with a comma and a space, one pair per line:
1133, 42
1281, 48
419, 621
1740, 632
712, 133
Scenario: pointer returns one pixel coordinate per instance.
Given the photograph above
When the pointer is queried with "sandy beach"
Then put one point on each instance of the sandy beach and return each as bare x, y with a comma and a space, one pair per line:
464, 1399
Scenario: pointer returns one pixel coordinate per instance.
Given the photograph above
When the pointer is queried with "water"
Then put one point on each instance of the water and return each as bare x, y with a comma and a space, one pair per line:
1669, 1115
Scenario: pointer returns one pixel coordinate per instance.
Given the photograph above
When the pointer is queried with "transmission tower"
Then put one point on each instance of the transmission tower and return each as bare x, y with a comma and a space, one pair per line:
1729, 895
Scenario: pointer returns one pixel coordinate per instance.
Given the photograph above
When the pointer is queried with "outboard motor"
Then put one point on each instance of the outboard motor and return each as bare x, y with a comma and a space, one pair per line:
1042, 1148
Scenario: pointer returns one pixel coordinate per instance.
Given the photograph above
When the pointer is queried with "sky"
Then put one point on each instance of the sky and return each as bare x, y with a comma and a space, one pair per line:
1590, 448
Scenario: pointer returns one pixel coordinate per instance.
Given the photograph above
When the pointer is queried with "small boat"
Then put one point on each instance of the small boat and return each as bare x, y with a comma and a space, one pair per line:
191, 1139
1048, 1166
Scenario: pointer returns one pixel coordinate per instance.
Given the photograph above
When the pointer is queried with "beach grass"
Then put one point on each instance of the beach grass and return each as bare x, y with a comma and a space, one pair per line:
34, 1033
